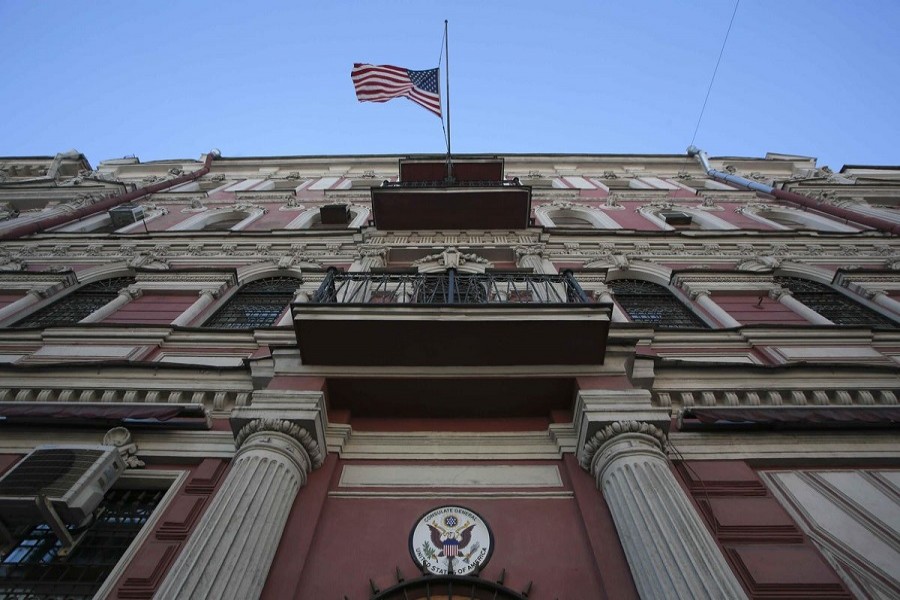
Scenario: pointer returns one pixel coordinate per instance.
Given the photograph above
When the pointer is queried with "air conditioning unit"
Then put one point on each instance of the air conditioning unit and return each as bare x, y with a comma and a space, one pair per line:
676, 217
335, 214
70, 480
126, 214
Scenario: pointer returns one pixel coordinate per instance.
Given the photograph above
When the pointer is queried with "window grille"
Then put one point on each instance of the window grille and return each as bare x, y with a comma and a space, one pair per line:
831, 304
647, 302
257, 304
32, 569
79, 304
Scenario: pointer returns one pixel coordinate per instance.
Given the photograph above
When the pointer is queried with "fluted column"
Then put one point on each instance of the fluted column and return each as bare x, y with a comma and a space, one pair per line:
206, 298
125, 296
669, 550
785, 297
882, 298
229, 554
718, 313
31, 296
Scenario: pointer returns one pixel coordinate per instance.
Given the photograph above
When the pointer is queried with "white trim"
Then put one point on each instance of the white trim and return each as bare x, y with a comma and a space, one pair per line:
706, 221
199, 221
145, 479
595, 217
305, 219
803, 219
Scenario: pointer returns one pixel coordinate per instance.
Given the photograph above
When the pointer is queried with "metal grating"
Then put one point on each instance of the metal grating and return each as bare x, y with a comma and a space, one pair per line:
32, 569
449, 287
257, 304
831, 304
50, 472
78, 304
651, 303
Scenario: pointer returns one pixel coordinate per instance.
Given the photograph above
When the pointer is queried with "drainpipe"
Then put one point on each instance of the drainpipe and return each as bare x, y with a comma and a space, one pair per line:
108, 203
792, 197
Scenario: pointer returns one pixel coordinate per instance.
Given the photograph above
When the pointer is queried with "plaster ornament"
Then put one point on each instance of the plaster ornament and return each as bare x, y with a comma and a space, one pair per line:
120, 437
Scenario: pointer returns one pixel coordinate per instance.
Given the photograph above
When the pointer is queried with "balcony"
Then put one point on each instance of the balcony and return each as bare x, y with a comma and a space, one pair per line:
476, 196
450, 319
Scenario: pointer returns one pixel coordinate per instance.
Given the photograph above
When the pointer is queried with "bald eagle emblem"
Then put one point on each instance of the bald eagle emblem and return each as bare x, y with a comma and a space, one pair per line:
451, 537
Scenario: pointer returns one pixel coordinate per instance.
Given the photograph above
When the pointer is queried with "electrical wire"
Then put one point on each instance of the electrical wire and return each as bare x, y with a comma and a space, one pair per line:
716, 70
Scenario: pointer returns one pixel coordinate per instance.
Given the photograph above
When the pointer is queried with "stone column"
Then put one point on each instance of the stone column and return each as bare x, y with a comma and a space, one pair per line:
881, 298
30, 297
602, 293
669, 550
206, 298
125, 296
718, 313
785, 297
229, 554
299, 296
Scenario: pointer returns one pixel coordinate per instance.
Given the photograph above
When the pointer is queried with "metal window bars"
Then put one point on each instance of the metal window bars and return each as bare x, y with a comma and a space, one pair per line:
257, 304
34, 569
77, 305
449, 287
832, 304
648, 302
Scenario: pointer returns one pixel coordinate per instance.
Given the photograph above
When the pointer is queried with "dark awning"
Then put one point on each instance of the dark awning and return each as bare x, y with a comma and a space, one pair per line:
831, 417
169, 417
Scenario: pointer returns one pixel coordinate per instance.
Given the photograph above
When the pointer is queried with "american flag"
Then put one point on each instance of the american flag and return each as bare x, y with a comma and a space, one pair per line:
380, 83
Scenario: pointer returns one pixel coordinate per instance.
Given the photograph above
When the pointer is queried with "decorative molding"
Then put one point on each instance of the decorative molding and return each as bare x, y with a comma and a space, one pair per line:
613, 430
292, 430
782, 396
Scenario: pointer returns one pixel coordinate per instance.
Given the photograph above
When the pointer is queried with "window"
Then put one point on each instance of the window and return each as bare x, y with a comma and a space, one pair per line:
79, 304
256, 304
651, 303
683, 217
832, 305
566, 214
33, 569
789, 218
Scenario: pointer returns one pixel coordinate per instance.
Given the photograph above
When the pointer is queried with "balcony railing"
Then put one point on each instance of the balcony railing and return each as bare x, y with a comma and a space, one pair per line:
445, 184
449, 288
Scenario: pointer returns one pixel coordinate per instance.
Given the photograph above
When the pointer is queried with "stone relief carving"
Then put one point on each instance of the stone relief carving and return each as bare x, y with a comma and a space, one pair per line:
298, 433
120, 437
591, 446
451, 258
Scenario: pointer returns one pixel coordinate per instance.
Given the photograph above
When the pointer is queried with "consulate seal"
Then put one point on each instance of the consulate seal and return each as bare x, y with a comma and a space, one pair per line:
451, 540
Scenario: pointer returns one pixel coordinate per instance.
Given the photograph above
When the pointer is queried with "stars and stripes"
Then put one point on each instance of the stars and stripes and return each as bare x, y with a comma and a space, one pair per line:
380, 83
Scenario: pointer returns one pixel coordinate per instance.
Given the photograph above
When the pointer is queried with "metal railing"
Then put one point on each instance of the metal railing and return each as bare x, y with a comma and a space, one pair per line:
443, 183
449, 287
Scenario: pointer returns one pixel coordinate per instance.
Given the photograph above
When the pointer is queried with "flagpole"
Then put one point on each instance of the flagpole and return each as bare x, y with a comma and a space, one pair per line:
447, 76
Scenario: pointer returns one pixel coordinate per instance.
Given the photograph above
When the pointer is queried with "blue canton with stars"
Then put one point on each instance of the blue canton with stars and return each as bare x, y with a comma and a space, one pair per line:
425, 80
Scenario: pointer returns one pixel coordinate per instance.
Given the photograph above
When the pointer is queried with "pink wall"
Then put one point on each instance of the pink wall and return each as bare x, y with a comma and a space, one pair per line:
10, 297
757, 308
557, 543
160, 309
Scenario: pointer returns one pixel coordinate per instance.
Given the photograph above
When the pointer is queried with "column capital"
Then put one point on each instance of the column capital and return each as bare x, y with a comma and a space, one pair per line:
777, 292
313, 453
131, 292
655, 436
209, 292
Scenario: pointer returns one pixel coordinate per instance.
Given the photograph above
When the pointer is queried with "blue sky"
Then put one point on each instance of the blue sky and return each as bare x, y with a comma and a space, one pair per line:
174, 79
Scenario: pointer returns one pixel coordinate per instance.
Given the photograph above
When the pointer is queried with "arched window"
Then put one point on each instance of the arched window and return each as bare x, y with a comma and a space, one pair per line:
257, 304
228, 219
671, 218
831, 304
566, 214
77, 305
790, 218
651, 303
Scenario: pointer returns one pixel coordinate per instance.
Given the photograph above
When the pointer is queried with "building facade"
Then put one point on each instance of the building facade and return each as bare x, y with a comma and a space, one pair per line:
545, 376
